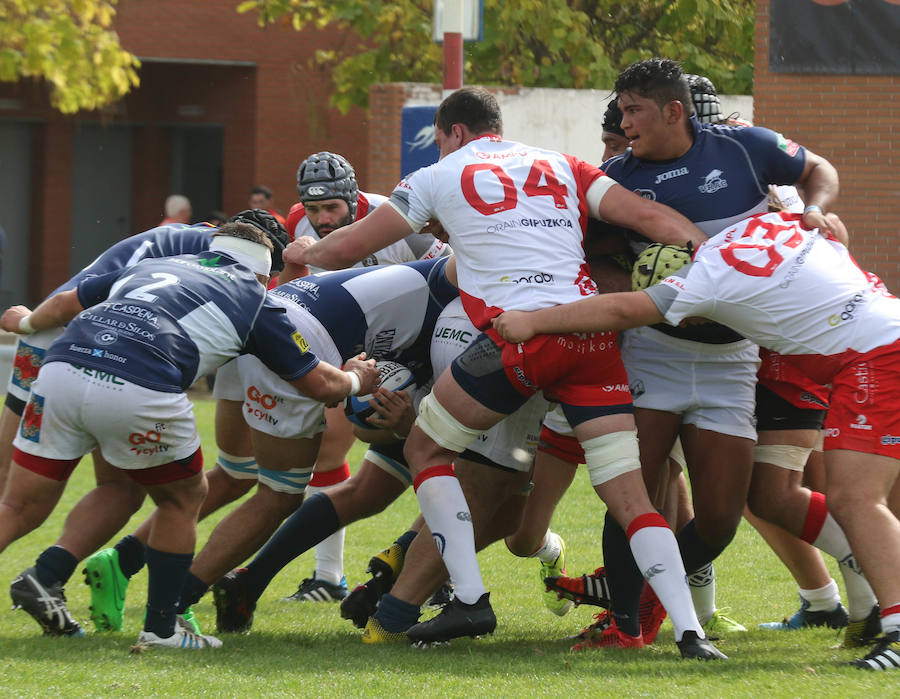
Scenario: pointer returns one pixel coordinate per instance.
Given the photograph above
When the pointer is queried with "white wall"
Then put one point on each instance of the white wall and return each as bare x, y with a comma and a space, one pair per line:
565, 120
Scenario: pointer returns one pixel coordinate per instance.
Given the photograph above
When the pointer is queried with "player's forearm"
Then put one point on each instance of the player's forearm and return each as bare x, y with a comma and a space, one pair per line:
618, 311
325, 384
337, 250
663, 224
56, 311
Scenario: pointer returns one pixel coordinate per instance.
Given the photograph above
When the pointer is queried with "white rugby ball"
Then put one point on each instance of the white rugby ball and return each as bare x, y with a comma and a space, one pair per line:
394, 377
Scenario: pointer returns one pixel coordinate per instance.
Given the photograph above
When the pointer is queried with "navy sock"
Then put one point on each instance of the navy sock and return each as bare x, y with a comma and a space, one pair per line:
167, 572
395, 615
55, 565
405, 539
315, 521
131, 555
623, 577
695, 552
191, 592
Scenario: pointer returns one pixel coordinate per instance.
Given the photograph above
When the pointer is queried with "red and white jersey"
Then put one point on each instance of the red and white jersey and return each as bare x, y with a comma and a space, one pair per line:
516, 217
789, 289
413, 247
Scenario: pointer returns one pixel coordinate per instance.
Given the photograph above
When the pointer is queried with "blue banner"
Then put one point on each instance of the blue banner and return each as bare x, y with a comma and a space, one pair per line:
417, 147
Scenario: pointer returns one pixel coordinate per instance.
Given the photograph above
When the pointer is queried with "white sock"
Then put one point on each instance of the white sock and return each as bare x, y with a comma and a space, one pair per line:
655, 551
890, 622
447, 514
330, 551
823, 599
550, 548
703, 592
833, 541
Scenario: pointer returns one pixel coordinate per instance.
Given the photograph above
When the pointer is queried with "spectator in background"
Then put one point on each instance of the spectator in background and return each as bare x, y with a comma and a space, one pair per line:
261, 198
178, 210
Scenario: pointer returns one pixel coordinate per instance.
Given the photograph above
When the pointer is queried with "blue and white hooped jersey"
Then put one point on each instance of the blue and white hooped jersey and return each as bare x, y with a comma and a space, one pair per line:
388, 312
162, 241
164, 322
722, 179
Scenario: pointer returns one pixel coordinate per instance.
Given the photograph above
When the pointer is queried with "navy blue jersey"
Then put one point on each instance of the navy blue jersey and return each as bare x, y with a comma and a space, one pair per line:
164, 322
722, 179
388, 311
162, 241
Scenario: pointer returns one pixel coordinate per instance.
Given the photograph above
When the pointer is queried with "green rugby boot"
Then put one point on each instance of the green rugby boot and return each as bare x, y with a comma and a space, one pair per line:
108, 585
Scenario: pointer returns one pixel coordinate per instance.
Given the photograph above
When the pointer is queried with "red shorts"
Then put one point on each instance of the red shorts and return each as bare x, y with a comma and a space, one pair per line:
563, 447
577, 369
789, 383
864, 415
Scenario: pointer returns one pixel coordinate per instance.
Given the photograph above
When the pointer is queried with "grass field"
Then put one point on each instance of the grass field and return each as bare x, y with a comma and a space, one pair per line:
308, 650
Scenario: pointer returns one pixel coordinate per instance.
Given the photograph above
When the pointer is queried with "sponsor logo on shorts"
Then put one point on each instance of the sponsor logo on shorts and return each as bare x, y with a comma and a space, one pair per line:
463, 337
861, 372
104, 376
150, 442
615, 388
847, 312
464, 516
638, 389
713, 182
584, 343
30, 427
536, 278
520, 375
258, 404
370, 261
26, 365
889, 440
677, 172
862, 423
832, 432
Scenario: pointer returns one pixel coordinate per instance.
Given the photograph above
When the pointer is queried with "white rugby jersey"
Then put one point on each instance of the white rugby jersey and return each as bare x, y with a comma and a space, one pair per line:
786, 288
415, 246
516, 217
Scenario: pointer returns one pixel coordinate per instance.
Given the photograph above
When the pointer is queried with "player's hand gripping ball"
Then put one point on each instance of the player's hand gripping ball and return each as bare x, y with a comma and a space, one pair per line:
657, 262
394, 377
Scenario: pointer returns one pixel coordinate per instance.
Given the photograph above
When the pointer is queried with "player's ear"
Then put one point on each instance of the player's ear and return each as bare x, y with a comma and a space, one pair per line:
673, 112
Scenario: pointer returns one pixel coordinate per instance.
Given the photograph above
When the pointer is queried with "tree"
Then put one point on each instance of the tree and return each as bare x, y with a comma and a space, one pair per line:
536, 43
68, 43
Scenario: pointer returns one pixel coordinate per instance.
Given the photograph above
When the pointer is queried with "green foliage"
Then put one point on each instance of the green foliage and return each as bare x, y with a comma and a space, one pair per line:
533, 43
70, 44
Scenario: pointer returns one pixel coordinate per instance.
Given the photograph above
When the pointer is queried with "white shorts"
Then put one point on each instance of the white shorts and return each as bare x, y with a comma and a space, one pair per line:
711, 386
227, 385
275, 407
77, 409
29, 356
504, 442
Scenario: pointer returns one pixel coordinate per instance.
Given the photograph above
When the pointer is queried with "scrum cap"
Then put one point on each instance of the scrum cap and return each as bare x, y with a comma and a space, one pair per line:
657, 262
705, 99
328, 175
269, 225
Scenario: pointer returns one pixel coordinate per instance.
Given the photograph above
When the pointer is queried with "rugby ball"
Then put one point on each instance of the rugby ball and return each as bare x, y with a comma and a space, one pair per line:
394, 377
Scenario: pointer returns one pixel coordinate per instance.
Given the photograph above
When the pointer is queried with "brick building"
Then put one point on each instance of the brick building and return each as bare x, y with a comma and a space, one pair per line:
223, 105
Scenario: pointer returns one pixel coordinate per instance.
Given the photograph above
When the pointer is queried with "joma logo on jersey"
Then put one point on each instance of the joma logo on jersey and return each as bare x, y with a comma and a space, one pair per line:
677, 172
713, 182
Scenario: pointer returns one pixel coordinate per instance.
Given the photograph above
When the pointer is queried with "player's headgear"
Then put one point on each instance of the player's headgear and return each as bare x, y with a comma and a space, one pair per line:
705, 98
612, 118
269, 225
657, 262
328, 175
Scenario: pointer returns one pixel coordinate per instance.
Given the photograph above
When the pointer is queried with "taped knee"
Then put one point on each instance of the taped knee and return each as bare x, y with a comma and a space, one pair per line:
442, 427
611, 455
238, 467
292, 481
788, 456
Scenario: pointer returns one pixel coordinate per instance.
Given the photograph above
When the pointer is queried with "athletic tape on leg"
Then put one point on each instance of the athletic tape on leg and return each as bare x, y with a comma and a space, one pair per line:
611, 455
